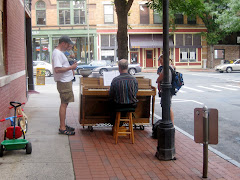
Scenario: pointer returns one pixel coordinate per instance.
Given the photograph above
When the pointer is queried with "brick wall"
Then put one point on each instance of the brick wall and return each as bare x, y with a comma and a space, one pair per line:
14, 51
231, 52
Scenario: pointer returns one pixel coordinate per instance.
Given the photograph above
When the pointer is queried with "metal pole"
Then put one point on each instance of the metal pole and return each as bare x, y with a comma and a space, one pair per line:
205, 142
89, 59
165, 130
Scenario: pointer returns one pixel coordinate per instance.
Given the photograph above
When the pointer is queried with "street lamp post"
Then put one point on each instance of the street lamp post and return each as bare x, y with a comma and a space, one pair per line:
166, 130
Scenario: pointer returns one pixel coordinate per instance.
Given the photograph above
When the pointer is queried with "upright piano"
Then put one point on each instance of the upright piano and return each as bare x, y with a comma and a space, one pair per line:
95, 105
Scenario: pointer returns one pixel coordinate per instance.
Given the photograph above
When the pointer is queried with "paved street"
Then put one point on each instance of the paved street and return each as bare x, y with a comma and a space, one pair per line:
215, 90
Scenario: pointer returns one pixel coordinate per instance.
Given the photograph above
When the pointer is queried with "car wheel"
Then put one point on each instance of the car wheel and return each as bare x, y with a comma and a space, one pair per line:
132, 71
47, 73
102, 70
78, 71
221, 71
229, 69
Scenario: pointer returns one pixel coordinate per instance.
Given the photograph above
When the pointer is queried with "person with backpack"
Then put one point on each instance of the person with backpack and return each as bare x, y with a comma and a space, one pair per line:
159, 81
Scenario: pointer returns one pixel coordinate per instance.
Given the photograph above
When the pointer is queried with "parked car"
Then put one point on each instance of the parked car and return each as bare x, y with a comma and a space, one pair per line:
92, 65
228, 67
42, 64
132, 68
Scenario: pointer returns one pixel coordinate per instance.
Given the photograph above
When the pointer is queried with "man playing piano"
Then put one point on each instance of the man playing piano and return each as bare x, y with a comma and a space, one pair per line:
63, 75
123, 90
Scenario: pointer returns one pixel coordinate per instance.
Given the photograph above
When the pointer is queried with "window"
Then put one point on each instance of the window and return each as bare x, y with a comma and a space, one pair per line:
188, 40
108, 14
188, 44
2, 69
108, 41
41, 13
72, 12
191, 20
178, 18
157, 18
108, 47
64, 12
219, 54
188, 54
144, 14
79, 12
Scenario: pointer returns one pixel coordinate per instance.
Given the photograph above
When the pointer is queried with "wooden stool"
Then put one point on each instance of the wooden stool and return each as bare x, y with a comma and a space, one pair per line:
116, 130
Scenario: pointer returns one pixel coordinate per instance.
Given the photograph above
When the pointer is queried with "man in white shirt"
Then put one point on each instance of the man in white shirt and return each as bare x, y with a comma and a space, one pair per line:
63, 75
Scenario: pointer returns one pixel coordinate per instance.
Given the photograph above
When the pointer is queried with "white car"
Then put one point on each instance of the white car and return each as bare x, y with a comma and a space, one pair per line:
42, 64
228, 67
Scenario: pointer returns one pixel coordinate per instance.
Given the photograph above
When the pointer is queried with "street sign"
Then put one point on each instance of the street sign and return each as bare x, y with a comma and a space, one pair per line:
213, 125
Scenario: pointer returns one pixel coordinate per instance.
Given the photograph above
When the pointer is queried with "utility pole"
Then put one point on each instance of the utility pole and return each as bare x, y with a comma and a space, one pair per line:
166, 130
89, 58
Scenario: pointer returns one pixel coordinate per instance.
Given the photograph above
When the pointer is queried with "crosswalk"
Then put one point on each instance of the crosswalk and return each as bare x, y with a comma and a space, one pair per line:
225, 77
209, 88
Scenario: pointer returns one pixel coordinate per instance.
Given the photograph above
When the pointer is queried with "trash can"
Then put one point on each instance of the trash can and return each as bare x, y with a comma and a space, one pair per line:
204, 63
40, 76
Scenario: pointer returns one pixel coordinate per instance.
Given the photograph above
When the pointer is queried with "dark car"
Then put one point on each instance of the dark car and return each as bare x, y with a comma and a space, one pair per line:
92, 65
132, 68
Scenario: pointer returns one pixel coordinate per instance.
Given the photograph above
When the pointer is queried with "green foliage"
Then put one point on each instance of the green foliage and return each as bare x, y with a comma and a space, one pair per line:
229, 20
214, 14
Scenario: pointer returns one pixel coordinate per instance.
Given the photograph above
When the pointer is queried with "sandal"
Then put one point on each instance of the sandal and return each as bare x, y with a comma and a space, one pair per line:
66, 132
69, 128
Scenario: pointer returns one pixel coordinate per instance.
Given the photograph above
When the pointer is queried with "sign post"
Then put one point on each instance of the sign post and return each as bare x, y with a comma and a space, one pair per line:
205, 131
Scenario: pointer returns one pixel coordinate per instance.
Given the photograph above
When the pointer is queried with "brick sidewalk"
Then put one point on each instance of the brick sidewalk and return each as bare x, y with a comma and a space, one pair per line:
95, 156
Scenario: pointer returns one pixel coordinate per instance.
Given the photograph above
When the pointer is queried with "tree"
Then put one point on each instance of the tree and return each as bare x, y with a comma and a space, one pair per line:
229, 19
207, 10
122, 8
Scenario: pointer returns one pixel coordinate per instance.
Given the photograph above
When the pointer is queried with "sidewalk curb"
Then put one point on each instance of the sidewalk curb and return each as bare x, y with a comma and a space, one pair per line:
225, 157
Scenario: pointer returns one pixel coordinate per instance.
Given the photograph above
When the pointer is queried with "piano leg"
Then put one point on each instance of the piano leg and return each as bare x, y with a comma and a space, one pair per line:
153, 105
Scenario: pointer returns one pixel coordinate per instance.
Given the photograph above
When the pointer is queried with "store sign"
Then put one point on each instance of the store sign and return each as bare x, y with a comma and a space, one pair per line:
107, 52
35, 32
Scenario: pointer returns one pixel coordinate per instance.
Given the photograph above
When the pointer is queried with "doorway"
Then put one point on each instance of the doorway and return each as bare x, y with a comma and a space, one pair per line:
149, 58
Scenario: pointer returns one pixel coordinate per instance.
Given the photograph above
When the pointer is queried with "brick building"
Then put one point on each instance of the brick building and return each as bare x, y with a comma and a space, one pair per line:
13, 84
92, 25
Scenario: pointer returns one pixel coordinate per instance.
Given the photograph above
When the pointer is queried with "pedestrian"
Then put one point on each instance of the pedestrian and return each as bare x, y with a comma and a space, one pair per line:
63, 75
70, 56
159, 81
123, 90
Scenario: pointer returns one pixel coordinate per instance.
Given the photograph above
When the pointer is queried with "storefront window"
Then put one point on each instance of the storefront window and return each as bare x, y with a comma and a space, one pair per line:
108, 47
40, 49
188, 54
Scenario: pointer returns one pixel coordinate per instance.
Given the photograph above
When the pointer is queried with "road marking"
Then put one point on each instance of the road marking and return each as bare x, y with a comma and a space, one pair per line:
233, 86
193, 89
181, 91
224, 87
209, 88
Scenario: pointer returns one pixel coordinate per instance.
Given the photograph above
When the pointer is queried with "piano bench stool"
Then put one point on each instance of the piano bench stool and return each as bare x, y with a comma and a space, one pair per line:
118, 131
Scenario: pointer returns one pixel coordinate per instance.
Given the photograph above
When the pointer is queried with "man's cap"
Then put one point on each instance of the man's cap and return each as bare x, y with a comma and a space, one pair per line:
65, 39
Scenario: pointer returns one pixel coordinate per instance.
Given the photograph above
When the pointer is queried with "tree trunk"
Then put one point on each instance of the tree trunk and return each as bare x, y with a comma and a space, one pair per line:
122, 8
211, 53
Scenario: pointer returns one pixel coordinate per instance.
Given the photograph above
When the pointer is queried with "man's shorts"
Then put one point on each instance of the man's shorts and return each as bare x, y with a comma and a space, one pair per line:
65, 91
